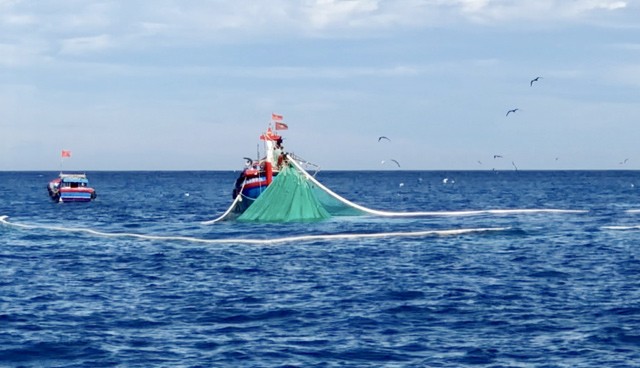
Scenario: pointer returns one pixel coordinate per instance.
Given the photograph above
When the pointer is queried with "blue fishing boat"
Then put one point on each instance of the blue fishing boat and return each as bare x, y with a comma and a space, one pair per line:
258, 174
71, 188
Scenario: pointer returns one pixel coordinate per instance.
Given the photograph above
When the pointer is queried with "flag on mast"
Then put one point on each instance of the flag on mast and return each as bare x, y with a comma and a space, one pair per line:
276, 117
281, 126
66, 153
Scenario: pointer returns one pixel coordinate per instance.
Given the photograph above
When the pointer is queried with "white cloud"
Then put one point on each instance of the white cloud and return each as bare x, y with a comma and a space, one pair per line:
7, 3
76, 27
17, 19
486, 11
473, 5
355, 14
628, 75
19, 54
608, 5
628, 46
322, 13
78, 18
82, 45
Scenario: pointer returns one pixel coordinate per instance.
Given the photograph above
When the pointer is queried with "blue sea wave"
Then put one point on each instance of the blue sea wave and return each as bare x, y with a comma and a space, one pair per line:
542, 274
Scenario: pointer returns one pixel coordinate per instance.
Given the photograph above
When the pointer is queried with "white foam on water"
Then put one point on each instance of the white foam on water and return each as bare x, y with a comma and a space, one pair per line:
629, 227
289, 239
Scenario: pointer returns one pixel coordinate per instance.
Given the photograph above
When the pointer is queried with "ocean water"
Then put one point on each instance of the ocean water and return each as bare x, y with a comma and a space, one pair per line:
528, 287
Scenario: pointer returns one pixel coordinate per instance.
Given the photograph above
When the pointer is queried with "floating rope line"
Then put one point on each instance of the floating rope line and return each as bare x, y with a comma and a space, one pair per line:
226, 213
288, 239
373, 212
425, 213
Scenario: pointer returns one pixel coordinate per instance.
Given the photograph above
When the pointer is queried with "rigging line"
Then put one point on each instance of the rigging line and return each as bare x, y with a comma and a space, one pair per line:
305, 162
289, 239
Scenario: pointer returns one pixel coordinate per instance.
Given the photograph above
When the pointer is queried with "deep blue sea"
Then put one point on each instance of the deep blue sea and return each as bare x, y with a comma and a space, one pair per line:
540, 289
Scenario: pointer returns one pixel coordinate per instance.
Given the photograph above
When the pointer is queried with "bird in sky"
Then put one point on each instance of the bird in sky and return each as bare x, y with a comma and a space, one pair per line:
248, 161
383, 137
534, 80
514, 165
396, 162
497, 156
512, 110
624, 162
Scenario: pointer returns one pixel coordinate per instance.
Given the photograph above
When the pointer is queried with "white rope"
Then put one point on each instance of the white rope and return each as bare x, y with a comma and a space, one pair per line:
289, 239
225, 214
389, 213
238, 198
424, 213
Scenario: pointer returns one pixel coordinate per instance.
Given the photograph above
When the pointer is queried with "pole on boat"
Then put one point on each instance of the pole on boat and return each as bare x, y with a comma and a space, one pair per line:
268, 168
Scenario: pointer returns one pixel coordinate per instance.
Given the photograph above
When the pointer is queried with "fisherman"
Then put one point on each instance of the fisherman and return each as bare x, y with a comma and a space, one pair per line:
278, 153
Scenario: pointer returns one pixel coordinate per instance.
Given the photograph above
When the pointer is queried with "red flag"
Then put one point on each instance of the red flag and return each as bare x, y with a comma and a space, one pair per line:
281, 126
66, 153
275, 117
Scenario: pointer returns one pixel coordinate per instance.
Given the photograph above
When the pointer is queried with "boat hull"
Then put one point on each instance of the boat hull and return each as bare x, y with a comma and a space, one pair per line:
250, 186
76, 196
68, 188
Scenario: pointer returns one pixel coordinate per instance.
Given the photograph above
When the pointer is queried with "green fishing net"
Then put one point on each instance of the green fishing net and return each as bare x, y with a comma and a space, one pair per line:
290, 197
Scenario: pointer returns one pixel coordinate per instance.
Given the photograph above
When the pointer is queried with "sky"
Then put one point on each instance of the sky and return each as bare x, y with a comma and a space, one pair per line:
190, 85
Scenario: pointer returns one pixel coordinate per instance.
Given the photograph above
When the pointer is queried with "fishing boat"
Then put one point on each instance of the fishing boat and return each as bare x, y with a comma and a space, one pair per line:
278, 188
71, 188
259, 173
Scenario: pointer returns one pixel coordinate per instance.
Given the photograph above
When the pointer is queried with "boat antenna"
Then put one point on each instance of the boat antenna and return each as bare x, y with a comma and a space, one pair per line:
258, 152
61, 160
63, 154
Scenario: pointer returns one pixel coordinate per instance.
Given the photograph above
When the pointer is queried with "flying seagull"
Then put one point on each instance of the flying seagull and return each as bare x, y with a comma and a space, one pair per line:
383, 137
514, 165
497, 156
624, 162
534, 80
396, 162
249, 161
510, 111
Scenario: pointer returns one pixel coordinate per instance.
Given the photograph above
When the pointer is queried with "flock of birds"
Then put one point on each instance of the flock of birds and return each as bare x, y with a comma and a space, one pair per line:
510, 111
530, 85
382, 137
513, 111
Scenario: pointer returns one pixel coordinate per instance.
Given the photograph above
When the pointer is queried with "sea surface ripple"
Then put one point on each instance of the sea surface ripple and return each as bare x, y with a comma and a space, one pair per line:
546, 289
